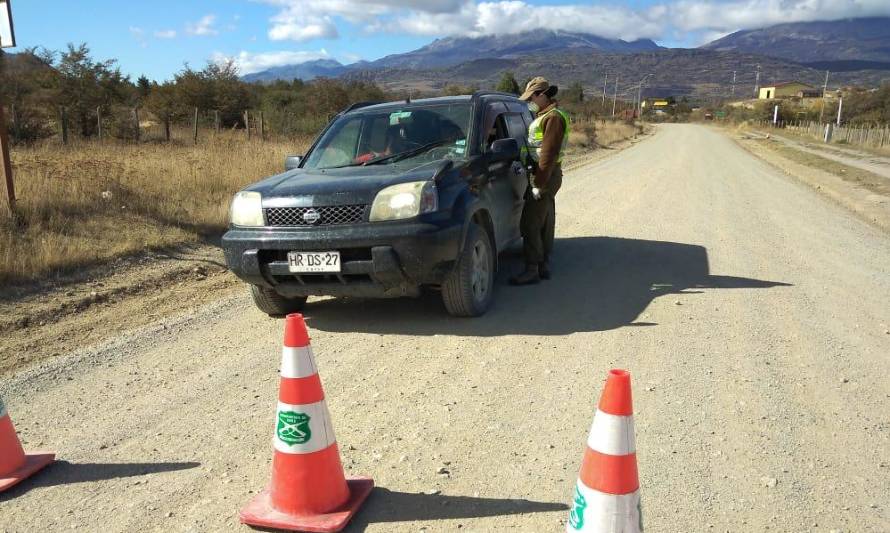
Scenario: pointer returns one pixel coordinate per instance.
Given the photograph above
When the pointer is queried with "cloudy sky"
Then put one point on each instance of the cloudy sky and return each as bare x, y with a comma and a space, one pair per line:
156, 38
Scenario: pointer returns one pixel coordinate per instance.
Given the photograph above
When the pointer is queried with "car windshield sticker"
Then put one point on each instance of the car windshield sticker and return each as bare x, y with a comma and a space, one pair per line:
398, 117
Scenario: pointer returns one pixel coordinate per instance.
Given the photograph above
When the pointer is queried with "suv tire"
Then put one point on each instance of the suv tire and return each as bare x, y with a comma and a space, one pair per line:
467, 290
274, 304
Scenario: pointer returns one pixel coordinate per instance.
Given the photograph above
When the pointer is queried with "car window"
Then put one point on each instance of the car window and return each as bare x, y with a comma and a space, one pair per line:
339, 151
517, 128
498, 130
358, 138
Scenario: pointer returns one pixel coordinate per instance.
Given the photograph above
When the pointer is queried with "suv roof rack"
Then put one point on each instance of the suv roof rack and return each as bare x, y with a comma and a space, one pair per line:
479, 94
358, 105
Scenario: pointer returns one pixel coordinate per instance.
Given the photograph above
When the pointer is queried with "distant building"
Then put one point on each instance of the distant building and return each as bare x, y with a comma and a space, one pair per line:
655, 103
789, 89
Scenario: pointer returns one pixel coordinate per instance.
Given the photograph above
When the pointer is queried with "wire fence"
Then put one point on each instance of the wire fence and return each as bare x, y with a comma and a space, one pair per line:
131, 124
871, 136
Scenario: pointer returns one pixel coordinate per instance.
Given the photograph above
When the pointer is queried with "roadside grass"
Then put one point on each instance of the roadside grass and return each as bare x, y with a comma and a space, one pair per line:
89, 202
589, 135
868, 180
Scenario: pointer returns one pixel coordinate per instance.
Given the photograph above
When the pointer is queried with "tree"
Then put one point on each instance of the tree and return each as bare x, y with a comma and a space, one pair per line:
85, 84
508, 84
143, 86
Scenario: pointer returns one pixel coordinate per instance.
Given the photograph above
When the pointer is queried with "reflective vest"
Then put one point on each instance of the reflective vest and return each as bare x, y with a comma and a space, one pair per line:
536, 135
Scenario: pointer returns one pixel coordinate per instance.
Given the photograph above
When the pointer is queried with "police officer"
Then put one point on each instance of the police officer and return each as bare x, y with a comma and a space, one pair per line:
547, 138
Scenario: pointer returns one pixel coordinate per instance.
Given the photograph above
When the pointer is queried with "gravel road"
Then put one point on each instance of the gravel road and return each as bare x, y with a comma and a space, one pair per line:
751, 312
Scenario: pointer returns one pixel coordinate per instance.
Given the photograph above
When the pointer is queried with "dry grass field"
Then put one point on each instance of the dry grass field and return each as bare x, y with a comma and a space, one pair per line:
88, 202
587, 135
83, 204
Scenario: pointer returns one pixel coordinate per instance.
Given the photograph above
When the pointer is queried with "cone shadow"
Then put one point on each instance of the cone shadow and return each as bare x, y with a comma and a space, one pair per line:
66, 473
385, 506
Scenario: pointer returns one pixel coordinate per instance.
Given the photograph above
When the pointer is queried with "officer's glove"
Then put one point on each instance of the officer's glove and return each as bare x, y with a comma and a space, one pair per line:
536, 193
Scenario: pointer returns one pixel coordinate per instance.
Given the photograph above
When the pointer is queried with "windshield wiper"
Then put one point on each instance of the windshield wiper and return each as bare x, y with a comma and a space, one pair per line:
407, 153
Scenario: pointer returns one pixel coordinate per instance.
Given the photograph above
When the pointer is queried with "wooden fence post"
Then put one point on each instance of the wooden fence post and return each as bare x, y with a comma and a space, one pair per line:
64, 118
99, 122
216, 120
6, 164
262, 127
16, 133
195, 121
136, 122
167, 128
247, 123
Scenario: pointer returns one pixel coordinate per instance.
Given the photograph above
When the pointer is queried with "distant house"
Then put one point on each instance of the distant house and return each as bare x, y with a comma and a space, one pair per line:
789, 89
655, 103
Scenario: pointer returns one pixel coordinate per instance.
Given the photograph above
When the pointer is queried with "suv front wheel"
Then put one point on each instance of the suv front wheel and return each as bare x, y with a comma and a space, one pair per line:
274, 304
468, 290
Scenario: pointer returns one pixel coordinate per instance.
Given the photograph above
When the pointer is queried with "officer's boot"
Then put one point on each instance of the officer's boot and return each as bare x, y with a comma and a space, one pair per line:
529, 276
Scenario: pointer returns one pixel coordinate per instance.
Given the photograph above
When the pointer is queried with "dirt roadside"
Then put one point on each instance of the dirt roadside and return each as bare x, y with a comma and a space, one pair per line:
863, 192
41, 320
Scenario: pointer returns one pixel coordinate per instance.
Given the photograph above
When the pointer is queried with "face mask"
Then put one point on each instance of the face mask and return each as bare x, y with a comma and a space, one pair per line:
533, 107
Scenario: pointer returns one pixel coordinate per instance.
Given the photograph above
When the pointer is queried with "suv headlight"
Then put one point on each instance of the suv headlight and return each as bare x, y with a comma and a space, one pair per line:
247, 209
405, 200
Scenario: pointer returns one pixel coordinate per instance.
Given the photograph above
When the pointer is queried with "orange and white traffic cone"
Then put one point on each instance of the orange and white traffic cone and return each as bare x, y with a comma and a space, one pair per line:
607, 495
15, 464
308, 491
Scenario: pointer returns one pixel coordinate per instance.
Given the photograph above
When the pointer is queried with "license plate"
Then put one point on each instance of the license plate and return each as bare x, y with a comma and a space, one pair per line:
303, 262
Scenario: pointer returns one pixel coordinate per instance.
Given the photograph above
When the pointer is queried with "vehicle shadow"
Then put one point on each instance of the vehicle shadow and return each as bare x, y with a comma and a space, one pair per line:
599, 283
385, 506
65, 473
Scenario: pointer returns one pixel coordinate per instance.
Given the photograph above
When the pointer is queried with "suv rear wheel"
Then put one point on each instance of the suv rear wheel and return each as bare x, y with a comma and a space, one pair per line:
274, 304
468, 289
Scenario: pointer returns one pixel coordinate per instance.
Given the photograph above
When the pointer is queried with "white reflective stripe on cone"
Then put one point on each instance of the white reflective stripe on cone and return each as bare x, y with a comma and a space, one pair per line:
297, 362
597, 512
612, 434
303, 428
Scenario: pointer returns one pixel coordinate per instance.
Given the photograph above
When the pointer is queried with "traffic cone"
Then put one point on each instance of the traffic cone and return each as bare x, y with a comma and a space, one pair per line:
15, 464
308, 491
607, 495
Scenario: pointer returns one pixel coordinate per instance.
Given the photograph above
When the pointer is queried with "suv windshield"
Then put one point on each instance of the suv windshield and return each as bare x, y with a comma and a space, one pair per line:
386, 136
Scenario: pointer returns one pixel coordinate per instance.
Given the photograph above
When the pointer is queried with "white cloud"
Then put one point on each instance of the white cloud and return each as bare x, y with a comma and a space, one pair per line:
203, 27
139, 34
305, 20
514, 16
248, 62
693, 15
165, 34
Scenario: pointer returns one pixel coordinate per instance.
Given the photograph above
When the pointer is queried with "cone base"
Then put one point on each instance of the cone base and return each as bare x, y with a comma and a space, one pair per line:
259, 511
34, 461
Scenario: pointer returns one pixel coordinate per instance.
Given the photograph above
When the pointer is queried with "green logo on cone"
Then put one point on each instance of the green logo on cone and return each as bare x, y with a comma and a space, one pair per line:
576, 517
293, 428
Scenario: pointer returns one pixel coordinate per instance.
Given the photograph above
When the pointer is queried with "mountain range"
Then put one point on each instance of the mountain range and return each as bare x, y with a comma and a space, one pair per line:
856, 50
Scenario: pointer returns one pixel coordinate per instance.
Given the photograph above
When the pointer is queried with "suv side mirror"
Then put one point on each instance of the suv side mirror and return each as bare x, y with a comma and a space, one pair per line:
505, 149
292, 161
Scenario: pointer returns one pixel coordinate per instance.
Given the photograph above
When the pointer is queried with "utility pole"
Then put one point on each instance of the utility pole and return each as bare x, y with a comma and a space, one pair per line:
7, 40
605, 81
757, 82
733, 84
840, 106
640, 95
824, 90
615, 96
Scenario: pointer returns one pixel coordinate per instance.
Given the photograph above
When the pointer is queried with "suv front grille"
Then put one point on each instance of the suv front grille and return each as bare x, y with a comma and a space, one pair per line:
332, 215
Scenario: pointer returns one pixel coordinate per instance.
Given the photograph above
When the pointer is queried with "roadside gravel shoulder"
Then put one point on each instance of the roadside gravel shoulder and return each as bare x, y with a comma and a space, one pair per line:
865, 196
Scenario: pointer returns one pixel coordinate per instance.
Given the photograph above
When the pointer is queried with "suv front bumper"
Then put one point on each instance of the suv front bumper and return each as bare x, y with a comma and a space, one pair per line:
386, 259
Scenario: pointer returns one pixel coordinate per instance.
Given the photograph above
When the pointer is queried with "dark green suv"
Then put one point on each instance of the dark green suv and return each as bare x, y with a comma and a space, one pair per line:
390, 199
